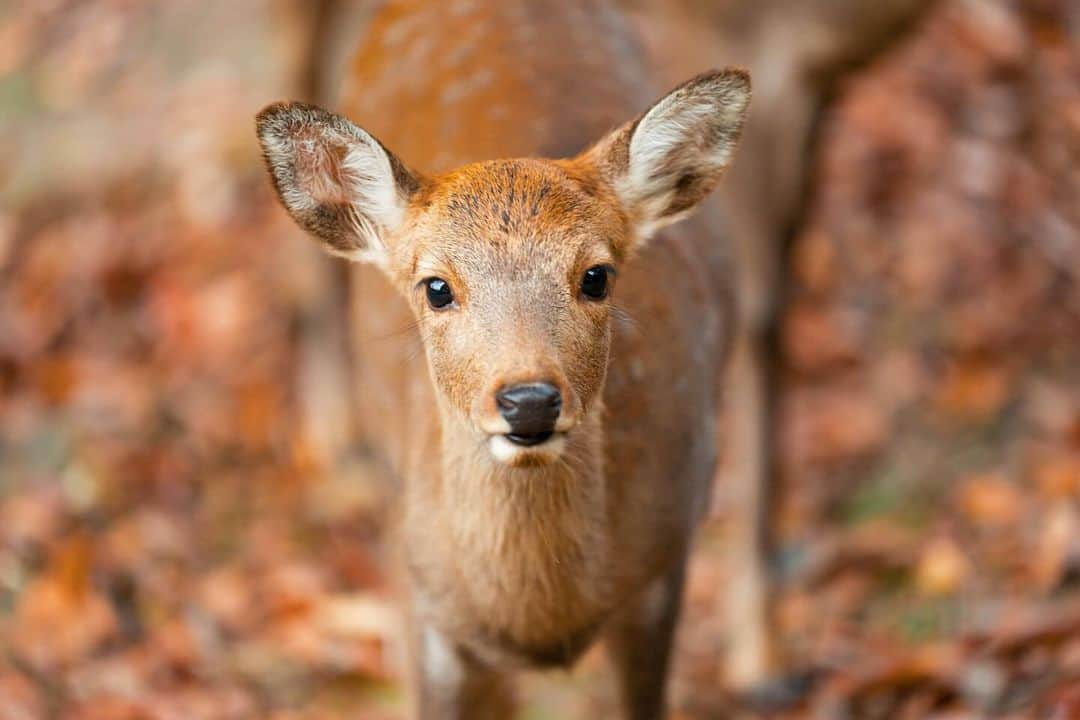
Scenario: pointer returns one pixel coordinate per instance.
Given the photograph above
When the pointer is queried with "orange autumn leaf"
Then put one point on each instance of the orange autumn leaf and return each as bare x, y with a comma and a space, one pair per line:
973, 390
942, 568
990, 500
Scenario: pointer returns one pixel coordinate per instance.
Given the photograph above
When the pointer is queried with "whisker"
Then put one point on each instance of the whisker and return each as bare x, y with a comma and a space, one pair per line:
392, 334
418, 346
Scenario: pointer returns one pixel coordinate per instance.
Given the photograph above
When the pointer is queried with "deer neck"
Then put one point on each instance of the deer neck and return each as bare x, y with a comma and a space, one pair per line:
531, 545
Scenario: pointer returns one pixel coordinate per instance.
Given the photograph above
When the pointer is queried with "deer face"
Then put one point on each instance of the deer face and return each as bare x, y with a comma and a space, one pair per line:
510, 266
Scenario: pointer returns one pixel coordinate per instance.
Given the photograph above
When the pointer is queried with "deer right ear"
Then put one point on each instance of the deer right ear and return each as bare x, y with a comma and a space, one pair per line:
665, 162
336, 181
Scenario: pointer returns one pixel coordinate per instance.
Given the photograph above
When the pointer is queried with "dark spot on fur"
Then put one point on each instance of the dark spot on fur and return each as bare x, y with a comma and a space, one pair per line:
540, 195
559, 653
589, 186
689, 189
686, 182
405, 179
328, 221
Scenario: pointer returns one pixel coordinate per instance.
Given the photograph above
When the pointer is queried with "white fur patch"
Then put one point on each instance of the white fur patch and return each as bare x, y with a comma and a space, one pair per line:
505, 451
675, 122
370, 186
442, 666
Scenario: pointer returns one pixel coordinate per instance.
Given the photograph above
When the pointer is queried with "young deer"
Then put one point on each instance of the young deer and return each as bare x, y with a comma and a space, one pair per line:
555, 440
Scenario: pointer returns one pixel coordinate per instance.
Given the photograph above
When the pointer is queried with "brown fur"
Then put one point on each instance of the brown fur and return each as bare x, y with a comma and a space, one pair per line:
523, 561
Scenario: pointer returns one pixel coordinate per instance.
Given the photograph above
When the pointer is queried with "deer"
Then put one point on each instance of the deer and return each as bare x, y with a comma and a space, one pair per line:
516, 204
801, 53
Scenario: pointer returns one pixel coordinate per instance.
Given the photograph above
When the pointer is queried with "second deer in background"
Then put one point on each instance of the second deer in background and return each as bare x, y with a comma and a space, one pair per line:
799, 52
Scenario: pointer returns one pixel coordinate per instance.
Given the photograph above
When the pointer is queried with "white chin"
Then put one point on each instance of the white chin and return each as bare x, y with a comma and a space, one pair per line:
509, 453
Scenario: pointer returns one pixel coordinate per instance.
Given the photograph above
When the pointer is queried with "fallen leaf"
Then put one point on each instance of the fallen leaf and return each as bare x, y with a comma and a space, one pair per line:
1058, 545
990, 500
942, 569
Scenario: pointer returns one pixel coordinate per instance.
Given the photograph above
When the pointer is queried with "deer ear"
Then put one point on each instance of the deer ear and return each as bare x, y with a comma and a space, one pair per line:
663, 163
336, 181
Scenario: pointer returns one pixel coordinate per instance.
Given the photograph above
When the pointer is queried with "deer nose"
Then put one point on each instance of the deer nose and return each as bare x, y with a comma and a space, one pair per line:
531, 409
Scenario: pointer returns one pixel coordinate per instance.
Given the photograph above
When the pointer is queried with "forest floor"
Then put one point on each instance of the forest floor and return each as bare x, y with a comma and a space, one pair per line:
170, 547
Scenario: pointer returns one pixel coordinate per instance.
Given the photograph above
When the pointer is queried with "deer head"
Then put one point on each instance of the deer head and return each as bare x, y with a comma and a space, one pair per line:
508, 265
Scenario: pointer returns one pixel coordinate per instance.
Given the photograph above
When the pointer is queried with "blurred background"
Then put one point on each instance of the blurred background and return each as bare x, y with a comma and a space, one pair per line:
178, 538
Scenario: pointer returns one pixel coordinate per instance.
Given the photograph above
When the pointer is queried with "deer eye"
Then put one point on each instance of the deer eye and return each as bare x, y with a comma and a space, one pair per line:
439, 295
594, 283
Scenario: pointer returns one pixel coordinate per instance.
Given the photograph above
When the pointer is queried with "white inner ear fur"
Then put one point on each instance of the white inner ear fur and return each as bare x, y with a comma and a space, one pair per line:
372, 191
691, 130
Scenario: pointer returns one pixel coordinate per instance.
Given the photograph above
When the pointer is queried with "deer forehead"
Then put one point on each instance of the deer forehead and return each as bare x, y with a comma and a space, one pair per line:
516, 216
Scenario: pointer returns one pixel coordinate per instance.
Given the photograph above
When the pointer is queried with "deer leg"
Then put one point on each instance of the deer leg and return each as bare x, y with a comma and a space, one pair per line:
751, 657
451, 685
639, 640
323, 363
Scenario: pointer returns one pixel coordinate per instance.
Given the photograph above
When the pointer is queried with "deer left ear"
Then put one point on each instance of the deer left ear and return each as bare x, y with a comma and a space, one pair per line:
336, 181
664, 163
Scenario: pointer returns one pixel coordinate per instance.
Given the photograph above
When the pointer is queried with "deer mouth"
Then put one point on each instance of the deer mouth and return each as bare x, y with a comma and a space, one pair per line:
529, 439
527, 449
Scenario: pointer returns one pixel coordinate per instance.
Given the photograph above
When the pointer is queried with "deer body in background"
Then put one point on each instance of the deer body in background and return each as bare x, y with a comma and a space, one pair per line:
555, 438
800, 52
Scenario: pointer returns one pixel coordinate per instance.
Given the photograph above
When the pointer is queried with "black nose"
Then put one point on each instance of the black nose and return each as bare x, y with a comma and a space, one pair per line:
531, 409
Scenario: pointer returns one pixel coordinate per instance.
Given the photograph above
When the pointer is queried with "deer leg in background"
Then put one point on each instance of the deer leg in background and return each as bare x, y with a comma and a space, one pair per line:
323, 378
768, 200
639, 643
764, 190
752, 647
323, 375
